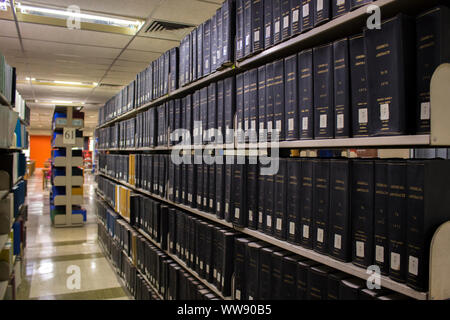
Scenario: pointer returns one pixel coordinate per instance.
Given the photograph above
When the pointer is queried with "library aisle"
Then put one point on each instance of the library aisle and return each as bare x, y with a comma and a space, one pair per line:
52, 251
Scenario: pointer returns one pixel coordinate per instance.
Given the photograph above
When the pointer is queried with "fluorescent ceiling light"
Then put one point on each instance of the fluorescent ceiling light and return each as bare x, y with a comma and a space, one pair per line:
84, 17
62, 101
28, 79
75, 83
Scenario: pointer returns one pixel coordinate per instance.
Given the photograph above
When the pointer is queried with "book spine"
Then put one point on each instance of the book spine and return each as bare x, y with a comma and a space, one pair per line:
252, 272
358, 3
229, 210
276, 21
288, 271
253, 106
278, 89
212, 188
294, 168
295, 13
341, 89
240, 106
228, 27
307, 15
220, 190
269, 205
204, 113
389, 56
194, 58
199, 187
213, 43
339, 238
262, 103
397, 219
261, 214
286, 23
362, 212
239, 269
265, 274
268, 24
252, 194
340, 7
290, 96
321, 205
239, 195
257, 25
322, 12
246, 113
306, 94
280, 203
212, 110
248, 27
200, 51
220, 112
230, 103
359, 98
323, 93
219, 39
207, 47
269, 99
239, 29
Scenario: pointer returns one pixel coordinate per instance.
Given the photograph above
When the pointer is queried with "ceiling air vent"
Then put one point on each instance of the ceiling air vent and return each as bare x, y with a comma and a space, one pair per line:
158, 25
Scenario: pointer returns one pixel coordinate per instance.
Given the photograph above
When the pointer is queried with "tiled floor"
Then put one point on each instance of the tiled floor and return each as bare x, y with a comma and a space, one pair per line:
53, 256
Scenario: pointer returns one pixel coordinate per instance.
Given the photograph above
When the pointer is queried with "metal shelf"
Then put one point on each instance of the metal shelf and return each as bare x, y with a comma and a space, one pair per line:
310, 254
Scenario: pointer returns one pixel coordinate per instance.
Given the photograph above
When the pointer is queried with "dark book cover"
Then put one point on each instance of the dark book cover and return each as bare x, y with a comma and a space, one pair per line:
199, 187
291, 109
213, 43
323, 92
307, 15
397, 219
276, 21
289, 277
432, 49
206, 183
293, 194
350, 289
306, 94
428, 207
390, 55
252, 271
172, 216
246, 113
270, 99
318, 282
278, 92
239, 196
220, 187
230, 103
286, 24
334, 283
164, 227
295, 16
322, 12
212, 188
220, 112
227, 261
240, 107
251, 187
265, 273
252, 130
239, 29
341, 89
306, 203
192, 183
262, 104
339, 235
228, 31
280, 201
248, 28
204, 114
219, 40
269, 204
200, 51
340, 7
359, 98
268, 24
194, 58
358, 3
188, 117
303, 268
240, 266
257, 25
229, 210
207, 47
277, 275
209, 234
166, 72
321, 205
261, 213
212, 111
362, 208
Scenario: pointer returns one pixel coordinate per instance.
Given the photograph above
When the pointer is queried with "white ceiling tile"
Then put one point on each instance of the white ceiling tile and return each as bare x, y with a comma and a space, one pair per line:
8, 28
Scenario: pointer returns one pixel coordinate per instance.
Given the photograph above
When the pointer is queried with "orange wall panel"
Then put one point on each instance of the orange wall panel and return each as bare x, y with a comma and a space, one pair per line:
40, 149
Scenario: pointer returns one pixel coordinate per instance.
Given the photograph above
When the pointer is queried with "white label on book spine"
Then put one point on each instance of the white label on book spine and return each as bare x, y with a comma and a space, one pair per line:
363, 116
207, 268
379, 254
305, 123
286, 22
261, 126
305, 231
340, 121
269, 221
236, 213
384, 112
247, 40
225, 50
226, 207
205, 202
340, 2
337, 241
256, 36
360, 249
278, 125
425, 111
305, 10
319, 5
219, 278
192, 257
260, 217
215, 273
201, 265
277, 27
292, 228
211, 203
238, 294
295, 15
323, 121
250, 215
246, 125
319, 235
279, 224
253, 125
199, 200
291, 124
250, 298
176, 193
267, 32
269, 126
413, 265
395, 261
190, 197
218, 206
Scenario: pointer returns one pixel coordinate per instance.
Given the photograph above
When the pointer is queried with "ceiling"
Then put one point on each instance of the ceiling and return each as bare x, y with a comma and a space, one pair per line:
112, 59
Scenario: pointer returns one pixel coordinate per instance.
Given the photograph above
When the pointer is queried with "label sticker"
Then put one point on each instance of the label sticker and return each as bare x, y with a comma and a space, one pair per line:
269, 221
337, 241
278, 226
413, 265
211, 203
292, 228
218, 206
379, 254
267, 32
291, 124
236, 213
247, 40
319, 235
395, 261
363, 116
425, 111
360, 249
384, 112
305, 10
246, 125
261, 126
226, 207
286, 22
238, 294
306, 231
260, 217
250, 215
253, 125
319, 5
340, 121
305, 123
295, 15
278, 125
323, 121
256, 36
277, 27
340, 2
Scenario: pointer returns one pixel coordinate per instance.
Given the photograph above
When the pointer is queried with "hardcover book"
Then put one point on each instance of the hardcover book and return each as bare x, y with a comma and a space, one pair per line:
341, 89
306, 94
